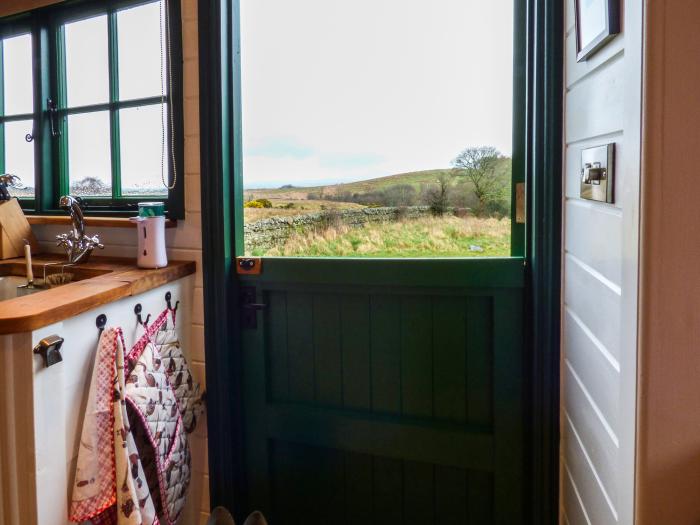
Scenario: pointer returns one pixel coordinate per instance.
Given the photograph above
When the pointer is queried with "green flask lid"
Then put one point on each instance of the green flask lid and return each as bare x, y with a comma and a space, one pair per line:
151, 209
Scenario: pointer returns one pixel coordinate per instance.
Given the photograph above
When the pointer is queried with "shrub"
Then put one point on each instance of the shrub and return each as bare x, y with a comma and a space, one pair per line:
258, 203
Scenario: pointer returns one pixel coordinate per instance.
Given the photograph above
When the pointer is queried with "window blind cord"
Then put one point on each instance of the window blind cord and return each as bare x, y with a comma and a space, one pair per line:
171, 119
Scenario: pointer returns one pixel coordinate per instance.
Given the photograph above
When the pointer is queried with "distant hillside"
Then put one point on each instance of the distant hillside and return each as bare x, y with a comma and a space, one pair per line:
415, 179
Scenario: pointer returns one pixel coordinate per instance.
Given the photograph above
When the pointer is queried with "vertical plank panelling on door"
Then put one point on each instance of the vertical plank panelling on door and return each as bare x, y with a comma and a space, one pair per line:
358, 488
385, 329
355, 348
326, 344
300, 346
479, 360
449, 359
276, 345
418, 493
450, 496
416, 356
507, 420
387, 505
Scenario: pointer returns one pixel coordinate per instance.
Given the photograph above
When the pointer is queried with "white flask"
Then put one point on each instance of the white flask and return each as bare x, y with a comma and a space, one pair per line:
151, 241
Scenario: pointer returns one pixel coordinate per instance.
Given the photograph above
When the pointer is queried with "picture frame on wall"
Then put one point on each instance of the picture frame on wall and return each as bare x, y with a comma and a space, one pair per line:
597, 21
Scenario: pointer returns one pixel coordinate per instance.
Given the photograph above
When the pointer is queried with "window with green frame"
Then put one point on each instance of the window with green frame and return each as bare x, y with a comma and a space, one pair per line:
91, 105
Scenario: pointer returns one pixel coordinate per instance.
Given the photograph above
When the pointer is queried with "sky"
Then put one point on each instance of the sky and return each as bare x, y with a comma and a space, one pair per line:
337, 91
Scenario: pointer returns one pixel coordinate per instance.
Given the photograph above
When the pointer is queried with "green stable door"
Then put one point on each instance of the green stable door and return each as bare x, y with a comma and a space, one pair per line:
388, 391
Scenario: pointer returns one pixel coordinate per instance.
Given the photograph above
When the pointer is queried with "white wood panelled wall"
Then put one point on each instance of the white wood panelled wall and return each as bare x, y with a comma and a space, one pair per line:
184, 243
599, 315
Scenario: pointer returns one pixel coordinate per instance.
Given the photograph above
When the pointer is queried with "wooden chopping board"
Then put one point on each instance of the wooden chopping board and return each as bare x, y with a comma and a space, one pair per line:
15, 229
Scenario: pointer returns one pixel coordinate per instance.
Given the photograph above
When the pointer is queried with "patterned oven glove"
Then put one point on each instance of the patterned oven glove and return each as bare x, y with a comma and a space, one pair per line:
180, 376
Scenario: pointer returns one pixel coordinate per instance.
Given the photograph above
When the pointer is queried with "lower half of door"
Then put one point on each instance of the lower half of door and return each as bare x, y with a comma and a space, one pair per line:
385, 392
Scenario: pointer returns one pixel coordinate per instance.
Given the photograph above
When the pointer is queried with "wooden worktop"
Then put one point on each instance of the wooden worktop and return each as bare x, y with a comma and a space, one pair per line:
103, 280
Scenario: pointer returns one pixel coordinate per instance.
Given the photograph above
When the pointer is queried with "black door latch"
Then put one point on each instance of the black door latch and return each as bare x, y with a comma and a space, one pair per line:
249, 307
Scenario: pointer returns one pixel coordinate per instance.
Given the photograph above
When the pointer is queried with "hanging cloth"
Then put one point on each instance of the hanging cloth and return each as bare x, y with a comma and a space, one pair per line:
110, 484
156, 420
187, 390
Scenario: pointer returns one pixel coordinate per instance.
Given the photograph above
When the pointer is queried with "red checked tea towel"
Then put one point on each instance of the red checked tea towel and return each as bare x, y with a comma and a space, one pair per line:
110, 484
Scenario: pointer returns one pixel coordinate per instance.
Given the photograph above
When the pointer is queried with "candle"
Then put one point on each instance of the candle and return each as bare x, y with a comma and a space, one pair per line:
28, 261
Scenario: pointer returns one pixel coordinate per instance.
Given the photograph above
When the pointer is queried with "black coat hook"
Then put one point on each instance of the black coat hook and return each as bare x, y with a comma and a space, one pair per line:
168, 298
137, 311
101, 322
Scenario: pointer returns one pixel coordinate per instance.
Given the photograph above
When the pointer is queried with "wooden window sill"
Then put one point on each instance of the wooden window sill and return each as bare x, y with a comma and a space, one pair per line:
95, 222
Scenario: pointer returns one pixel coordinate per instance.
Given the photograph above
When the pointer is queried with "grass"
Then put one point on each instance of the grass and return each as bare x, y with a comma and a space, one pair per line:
428, 237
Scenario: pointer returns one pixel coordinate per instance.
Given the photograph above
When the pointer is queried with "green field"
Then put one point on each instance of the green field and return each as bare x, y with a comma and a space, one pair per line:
446, 236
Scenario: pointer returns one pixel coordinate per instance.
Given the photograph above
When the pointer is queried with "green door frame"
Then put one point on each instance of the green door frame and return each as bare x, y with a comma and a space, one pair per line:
541, 64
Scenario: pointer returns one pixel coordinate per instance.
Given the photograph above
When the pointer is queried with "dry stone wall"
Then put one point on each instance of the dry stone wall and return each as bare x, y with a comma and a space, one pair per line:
274, 231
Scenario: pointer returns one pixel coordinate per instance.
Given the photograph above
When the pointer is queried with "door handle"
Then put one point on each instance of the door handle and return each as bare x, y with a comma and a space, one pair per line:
255, 306
49, 348
249, 307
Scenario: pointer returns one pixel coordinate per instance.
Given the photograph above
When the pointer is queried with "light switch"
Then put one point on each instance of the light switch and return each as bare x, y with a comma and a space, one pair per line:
598, 173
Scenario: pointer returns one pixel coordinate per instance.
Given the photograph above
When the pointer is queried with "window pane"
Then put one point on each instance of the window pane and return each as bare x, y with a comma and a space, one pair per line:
141, 146
140, 52
89, 156
87, 61
17, 75
19, 155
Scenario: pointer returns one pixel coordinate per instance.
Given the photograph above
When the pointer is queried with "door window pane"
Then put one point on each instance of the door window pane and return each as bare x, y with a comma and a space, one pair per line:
140, 52
87, 65
17, 75
19, 156
141, 146
89, 158
378, 128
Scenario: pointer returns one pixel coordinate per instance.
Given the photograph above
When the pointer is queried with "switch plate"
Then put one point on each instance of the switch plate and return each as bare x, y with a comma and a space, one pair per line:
598, 173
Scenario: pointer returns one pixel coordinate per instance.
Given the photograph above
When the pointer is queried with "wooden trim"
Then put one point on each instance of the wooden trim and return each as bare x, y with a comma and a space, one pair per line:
18, 479
94, 222
106, 280
218, 41
545, 61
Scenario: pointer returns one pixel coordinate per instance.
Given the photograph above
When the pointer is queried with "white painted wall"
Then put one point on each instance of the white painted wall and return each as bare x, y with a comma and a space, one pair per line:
599, 316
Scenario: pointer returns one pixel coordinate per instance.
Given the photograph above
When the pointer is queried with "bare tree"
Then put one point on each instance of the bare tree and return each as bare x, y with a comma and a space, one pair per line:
479, 165
437, 195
